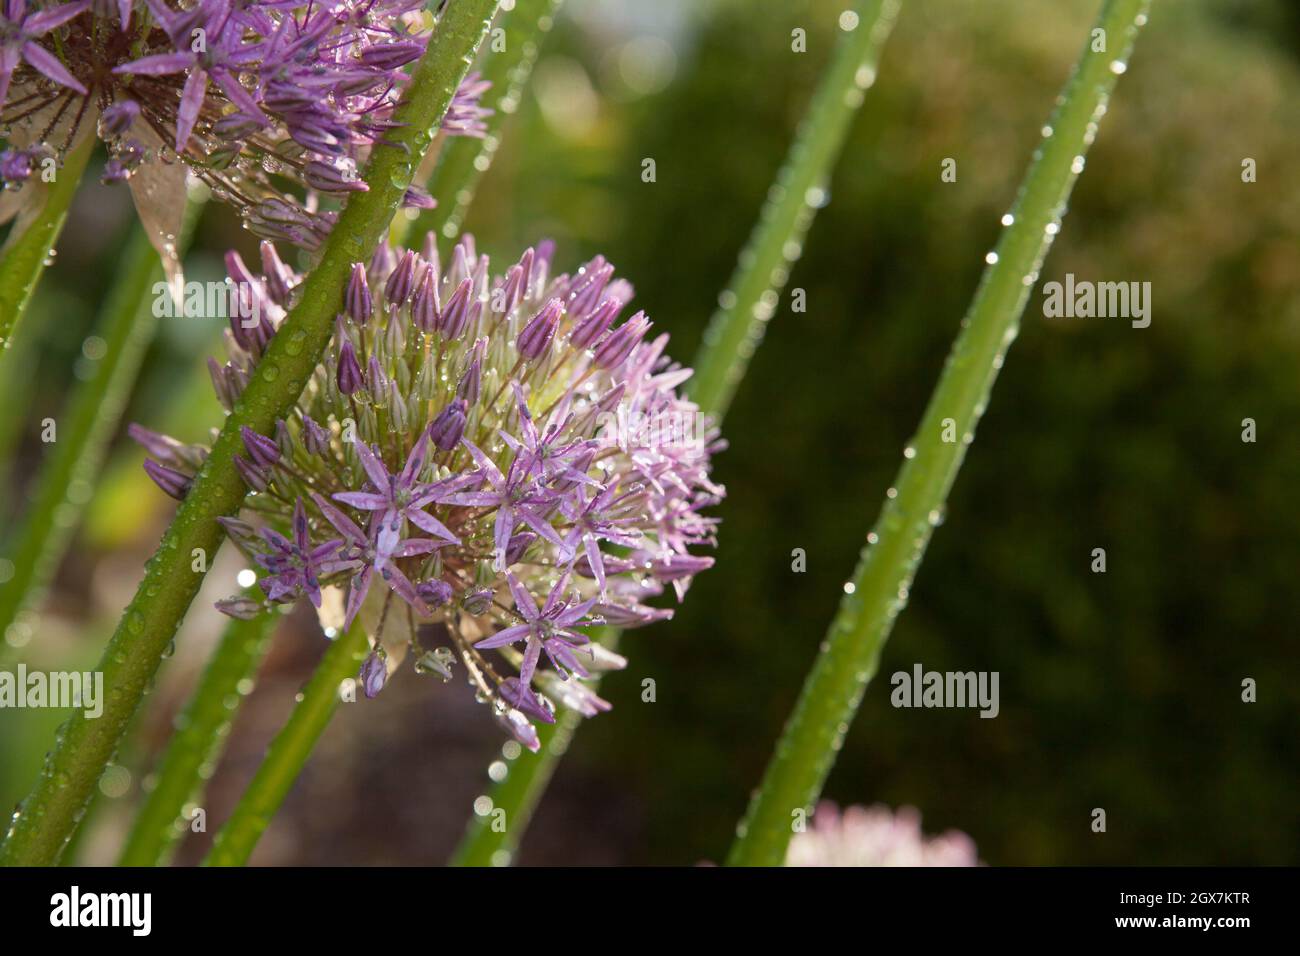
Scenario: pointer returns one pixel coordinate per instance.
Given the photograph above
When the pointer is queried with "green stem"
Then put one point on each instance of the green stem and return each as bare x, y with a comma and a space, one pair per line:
52, 810
736, 329
731, 338
198, 742
520, 791
878, 591
38, 543
464, 159
460, 166
289, 751
25, 252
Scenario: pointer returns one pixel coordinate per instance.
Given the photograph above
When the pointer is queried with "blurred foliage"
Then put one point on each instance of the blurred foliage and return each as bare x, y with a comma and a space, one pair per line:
1119, 690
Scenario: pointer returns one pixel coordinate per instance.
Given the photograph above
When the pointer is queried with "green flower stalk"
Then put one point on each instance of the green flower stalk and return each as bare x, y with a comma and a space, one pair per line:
736, 329
199, 740
35, 230
291, 748
878, 591
39, 541
51, 812
463, 161
522, 788
733, 334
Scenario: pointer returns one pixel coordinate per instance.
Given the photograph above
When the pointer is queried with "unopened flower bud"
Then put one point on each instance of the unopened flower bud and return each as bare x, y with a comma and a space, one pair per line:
449, 425
374, 673
169, 480
536, 336
359, 303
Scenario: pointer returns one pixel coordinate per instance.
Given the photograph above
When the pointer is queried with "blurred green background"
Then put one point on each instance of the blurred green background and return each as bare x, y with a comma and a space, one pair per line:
1119, 690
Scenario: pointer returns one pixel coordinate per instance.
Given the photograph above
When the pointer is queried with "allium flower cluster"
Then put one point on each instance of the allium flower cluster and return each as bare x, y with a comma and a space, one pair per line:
876, 836
272, 103
488, 464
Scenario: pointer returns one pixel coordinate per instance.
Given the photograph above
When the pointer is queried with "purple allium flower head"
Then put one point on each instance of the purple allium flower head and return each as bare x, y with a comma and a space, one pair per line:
876, 836
250, 95
487, 472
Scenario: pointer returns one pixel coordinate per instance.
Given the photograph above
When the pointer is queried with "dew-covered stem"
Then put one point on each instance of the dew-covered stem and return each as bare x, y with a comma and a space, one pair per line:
733, 335
40, 538
914, 505
201, 732
27, 249
289, 750
464, 159
53, 809
801, 187
520, 791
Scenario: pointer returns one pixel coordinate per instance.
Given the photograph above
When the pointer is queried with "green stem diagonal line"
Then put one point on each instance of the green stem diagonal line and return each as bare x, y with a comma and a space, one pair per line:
199, 740
733, 335
879, 587
461, 164
51, 812
27, 249
289, 750
749, 301
486, 842
38, 542
507, 62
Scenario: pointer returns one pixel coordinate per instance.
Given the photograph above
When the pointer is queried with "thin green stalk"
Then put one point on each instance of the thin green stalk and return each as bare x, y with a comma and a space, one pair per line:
289, 751
734, 333
93, 411
199, 740
520, 791
53, 809
460, 166
464, 159
25, 252
914, 505
736, 329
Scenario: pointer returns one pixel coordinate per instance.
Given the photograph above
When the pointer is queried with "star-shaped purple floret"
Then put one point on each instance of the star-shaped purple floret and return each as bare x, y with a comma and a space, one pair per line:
516, 496
598, 518
549, 630
219, 60
398, 498
360, 554
296, 565
18, 32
